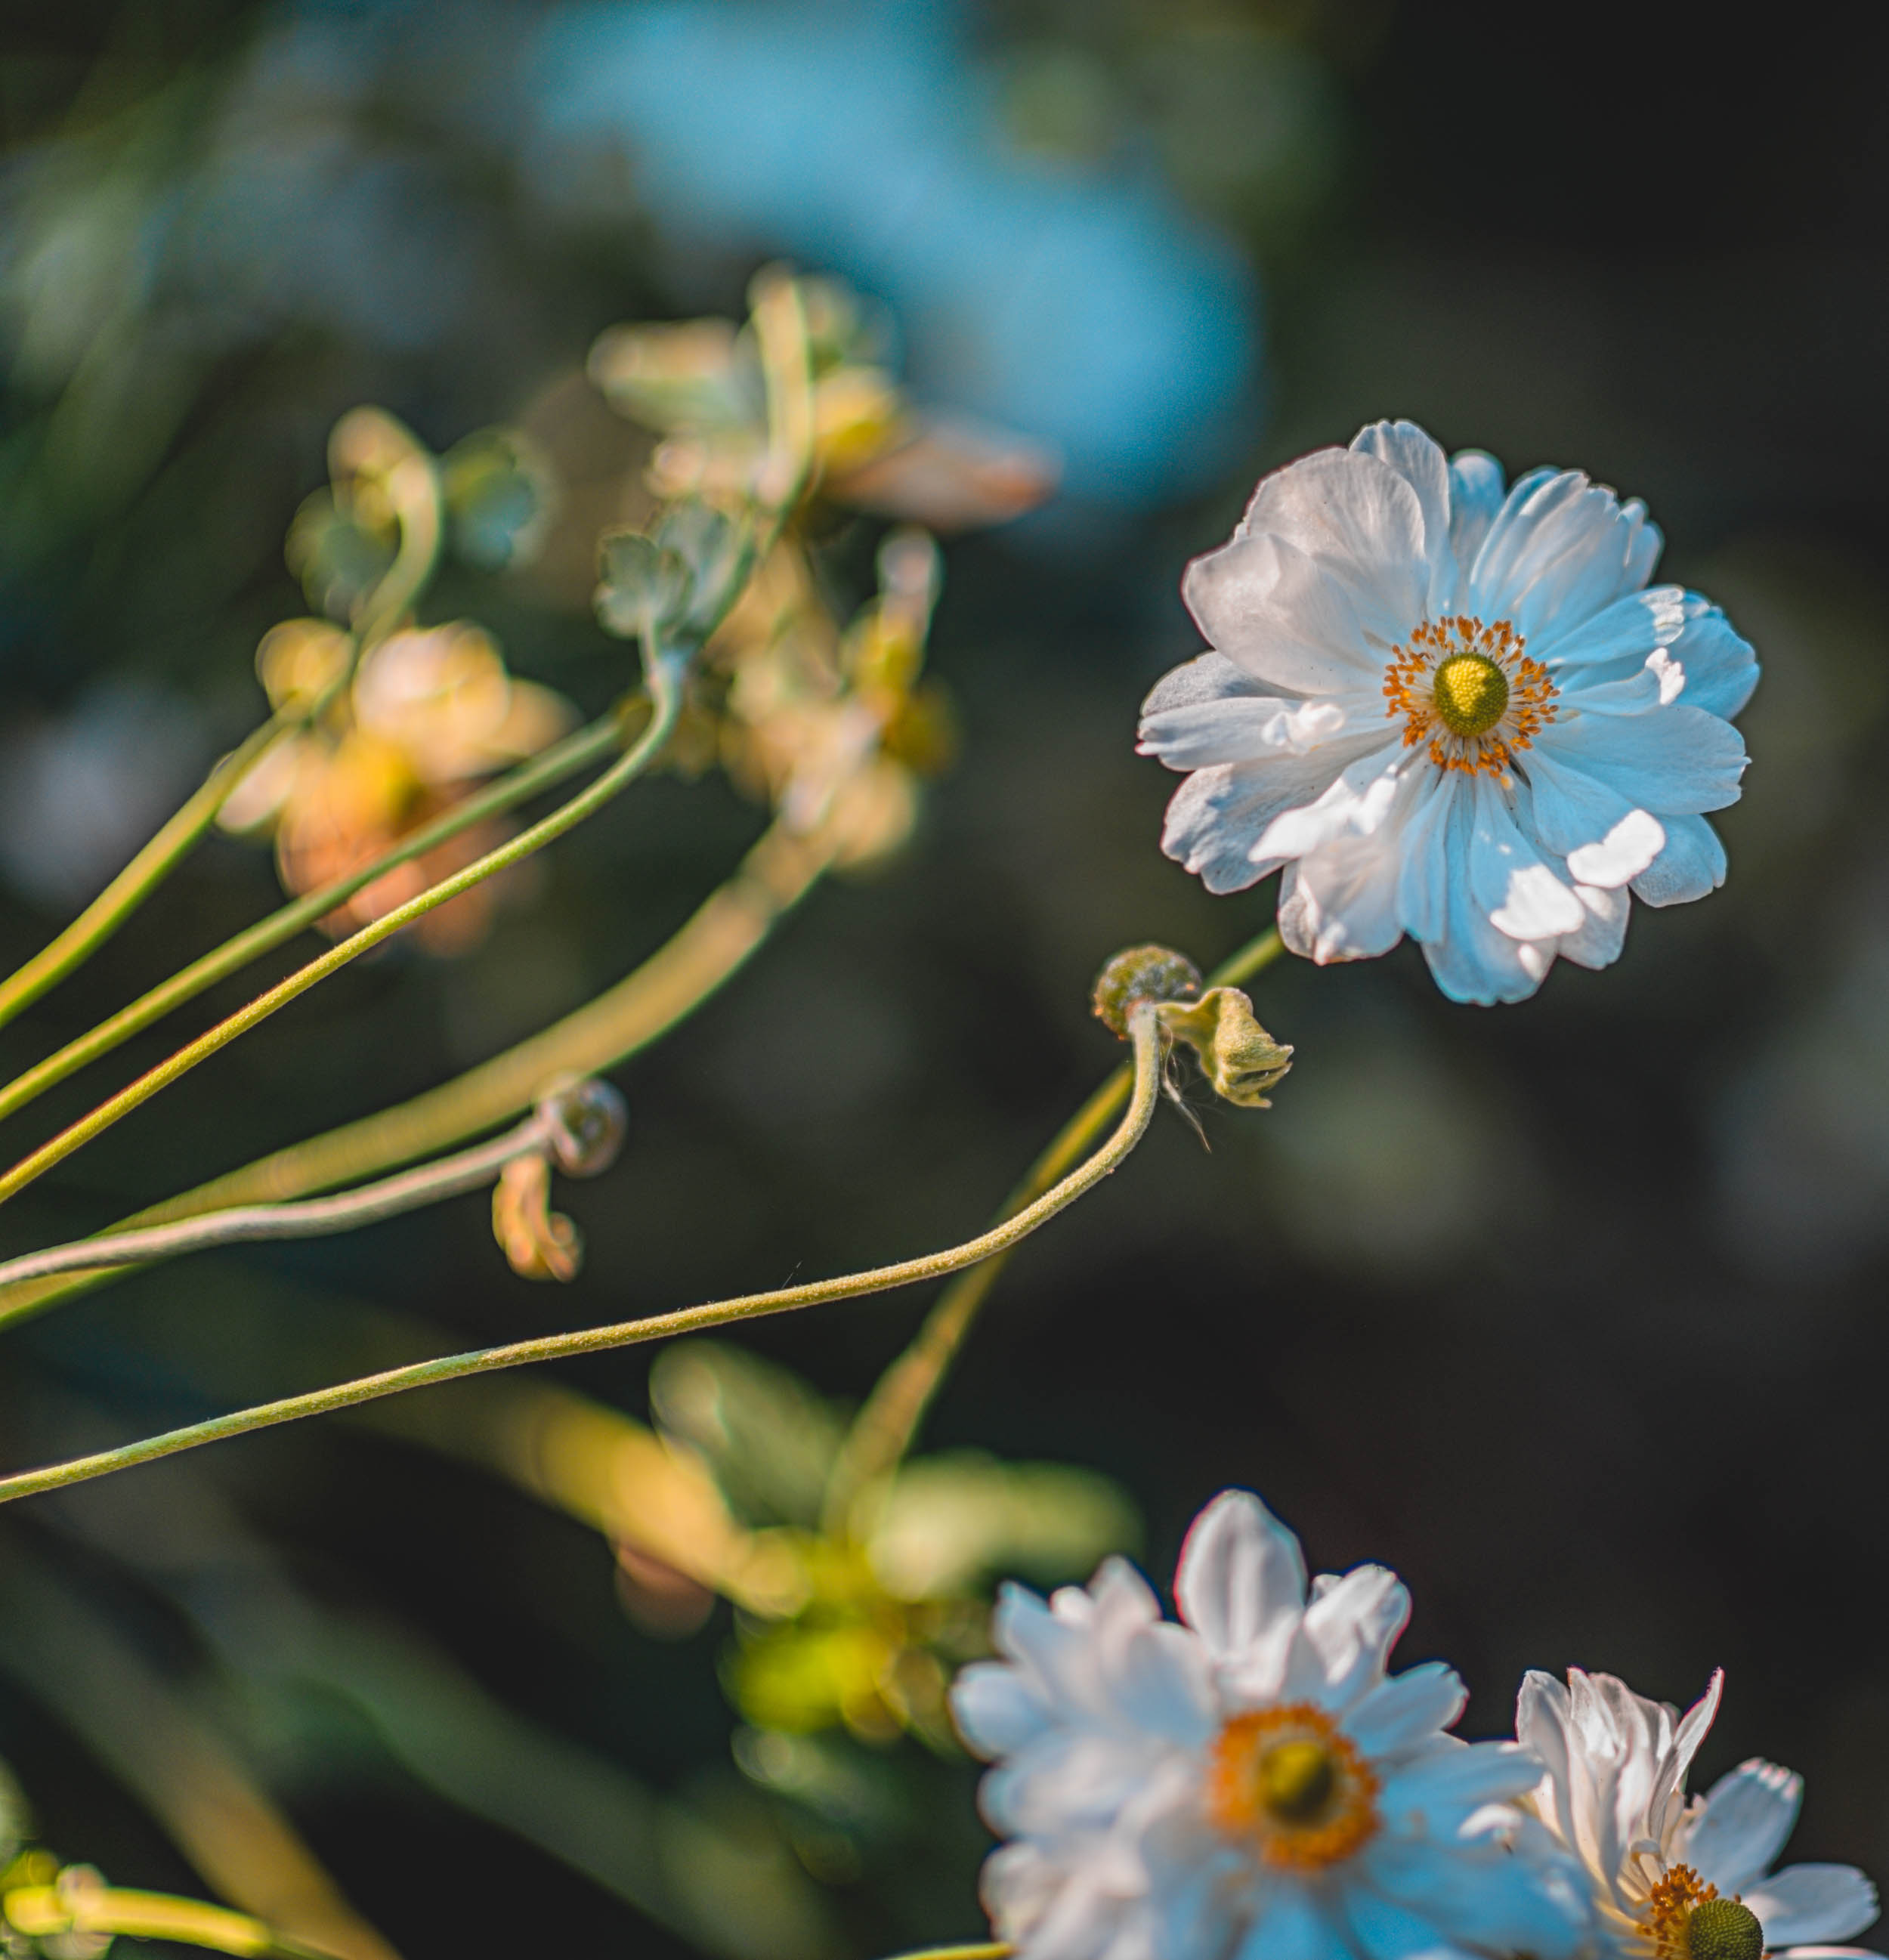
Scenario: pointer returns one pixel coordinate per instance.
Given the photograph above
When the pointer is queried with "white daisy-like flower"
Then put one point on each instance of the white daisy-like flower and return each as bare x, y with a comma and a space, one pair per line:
1451, 711
1671, 1879
1250, 1785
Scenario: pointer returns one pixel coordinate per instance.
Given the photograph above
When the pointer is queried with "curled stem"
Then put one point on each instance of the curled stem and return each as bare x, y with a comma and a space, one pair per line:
1148, 1054
886, 1423
666, 692
142, 877
541, 772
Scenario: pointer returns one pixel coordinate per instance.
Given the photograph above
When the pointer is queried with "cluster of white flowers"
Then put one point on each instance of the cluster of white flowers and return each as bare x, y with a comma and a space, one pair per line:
1450, 710
1252, 1784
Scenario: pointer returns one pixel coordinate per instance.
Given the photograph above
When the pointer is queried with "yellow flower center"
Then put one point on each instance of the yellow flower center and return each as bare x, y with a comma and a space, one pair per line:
1686, 1920
1468, 690
1285, 1780
1471, 694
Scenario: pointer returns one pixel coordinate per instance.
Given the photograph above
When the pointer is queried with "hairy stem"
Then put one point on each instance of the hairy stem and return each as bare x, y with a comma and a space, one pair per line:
1147, 1035
541, 772
665, 684
883, 1430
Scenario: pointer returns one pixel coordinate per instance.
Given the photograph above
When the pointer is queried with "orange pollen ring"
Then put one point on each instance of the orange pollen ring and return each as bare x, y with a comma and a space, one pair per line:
1669, 1911
1258, 1789
1410, 684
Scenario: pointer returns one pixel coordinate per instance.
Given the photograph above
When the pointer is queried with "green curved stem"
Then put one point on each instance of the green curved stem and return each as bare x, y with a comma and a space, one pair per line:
666, 691
142, 877
1149, 1049
541, 772
883, 1430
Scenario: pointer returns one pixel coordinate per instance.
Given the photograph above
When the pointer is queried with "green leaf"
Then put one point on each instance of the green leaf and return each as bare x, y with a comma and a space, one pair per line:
500, 494
952, 1523
769, 1439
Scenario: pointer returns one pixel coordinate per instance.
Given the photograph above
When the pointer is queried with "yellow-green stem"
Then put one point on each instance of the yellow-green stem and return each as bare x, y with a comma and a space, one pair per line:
1146, 1032
45, 1912
712, 945
543, 772
665, 689
140, 877
882, 1431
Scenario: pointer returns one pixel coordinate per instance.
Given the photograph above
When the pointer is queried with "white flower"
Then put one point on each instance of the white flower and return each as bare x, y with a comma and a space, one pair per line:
1663, 1873
1250, 1785
1449, 712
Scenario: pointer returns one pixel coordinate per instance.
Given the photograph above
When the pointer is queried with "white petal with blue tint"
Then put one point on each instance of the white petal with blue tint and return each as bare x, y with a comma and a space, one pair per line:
1550, 728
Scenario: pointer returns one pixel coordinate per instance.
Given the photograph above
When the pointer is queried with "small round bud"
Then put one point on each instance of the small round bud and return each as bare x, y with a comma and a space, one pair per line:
1723, 1929
587, 1121
1142, 973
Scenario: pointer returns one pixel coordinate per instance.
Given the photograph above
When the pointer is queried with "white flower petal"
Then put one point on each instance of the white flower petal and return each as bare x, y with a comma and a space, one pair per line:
1720, 668
1669, 1785
1240, 729
1241, 1570
1604, 839
1813, 1902
1692, 865
1216, 817
1477, 1896
1354, 1621
1416, 458
1747, 1816
1598, 943
1408, 1711
1614, 642
1560, 550
1340, 901
1437, 1792
1385, 1931
1470, 960
1674, 762
996, 1710
1509, 879
1292, 1928
1209, 676
1476, 495
1363, 523
1363, 796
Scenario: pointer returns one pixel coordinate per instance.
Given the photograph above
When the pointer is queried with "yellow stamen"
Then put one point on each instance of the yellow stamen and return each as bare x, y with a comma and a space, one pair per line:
1470, 692
1286, 1779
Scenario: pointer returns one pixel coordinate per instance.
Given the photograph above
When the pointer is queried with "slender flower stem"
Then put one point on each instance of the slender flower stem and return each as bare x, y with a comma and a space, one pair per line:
313, 1218
993, 1949
576, 752
883, 1430
725, 931
666, 691
142, 877
45, 1912
1148, 1050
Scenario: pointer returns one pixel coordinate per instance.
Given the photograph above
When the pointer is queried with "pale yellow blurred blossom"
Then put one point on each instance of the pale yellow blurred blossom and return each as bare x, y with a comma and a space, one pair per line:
428, 711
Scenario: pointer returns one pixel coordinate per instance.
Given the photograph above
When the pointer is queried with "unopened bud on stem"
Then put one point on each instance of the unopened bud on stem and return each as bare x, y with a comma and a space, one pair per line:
1142, 973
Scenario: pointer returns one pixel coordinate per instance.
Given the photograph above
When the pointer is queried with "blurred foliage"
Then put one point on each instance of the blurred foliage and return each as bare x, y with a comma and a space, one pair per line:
1584, 1243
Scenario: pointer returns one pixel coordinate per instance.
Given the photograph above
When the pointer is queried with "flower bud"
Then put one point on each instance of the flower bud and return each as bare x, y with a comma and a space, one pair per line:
538, 1242
1237, 1055
587, 1121
1142, 973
